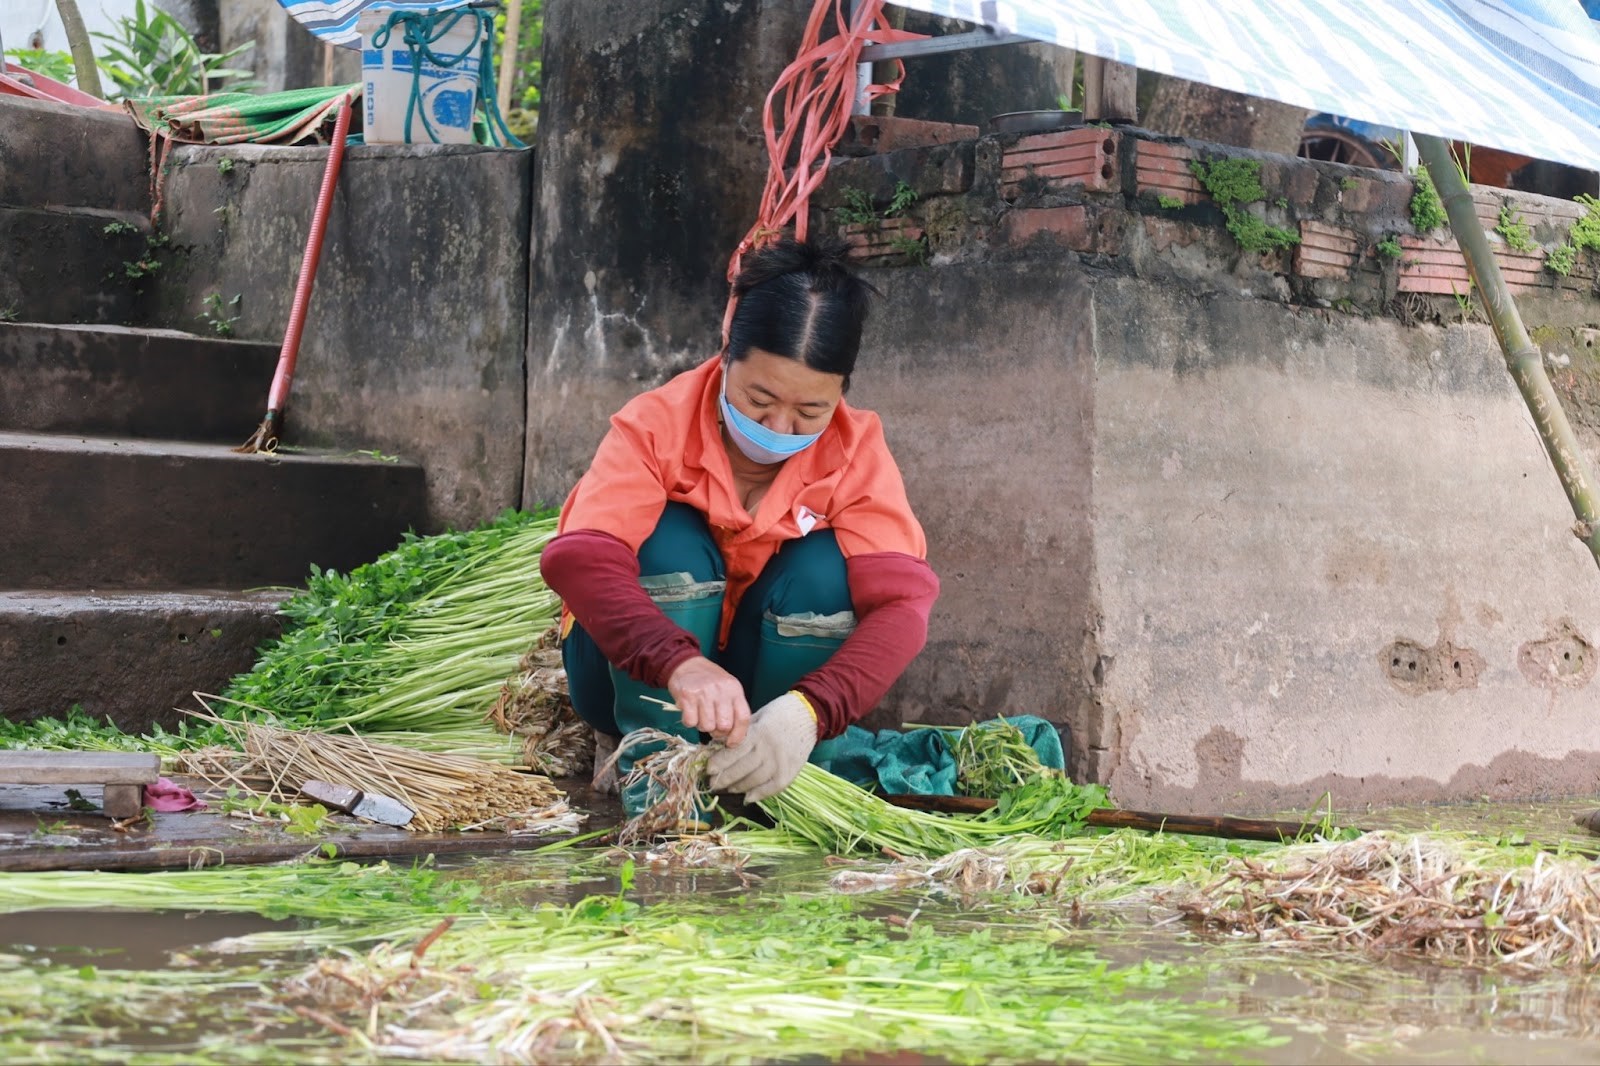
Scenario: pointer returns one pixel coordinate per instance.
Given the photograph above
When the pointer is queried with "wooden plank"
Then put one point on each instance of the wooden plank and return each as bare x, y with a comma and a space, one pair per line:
79, 767
122, 801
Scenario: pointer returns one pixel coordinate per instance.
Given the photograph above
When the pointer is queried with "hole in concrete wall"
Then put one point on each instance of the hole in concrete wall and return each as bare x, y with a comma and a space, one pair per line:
1444, 667
1562, 658
60, 641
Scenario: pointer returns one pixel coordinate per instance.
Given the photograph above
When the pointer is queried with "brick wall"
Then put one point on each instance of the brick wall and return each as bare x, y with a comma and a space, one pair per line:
1129, 200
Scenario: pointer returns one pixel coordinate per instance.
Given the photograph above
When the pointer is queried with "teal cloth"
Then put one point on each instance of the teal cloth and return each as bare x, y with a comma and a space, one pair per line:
919, 761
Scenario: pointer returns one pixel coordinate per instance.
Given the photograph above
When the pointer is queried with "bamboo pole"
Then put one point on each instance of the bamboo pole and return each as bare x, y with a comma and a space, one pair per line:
508, 56
1522, 356
885, 70
82, 52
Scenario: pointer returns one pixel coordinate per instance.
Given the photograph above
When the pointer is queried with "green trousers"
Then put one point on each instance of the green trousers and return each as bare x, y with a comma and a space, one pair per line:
788, 623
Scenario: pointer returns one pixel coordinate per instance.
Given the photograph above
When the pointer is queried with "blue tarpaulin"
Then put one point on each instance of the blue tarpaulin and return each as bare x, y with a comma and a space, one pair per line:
1521, 75
334, 21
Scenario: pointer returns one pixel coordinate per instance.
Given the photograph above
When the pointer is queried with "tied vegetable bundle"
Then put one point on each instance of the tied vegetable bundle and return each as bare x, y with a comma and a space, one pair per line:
415, 645
844, 819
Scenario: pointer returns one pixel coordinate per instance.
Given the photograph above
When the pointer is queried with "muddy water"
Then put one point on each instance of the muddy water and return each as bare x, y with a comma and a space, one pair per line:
1340, 1007
122, 941
1322, 1005
1326, 1005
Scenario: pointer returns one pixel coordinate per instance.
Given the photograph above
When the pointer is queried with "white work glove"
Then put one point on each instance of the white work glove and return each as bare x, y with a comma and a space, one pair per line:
780, 740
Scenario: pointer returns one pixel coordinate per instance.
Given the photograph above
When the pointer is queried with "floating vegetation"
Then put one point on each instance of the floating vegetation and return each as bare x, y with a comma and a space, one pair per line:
1095, 868
1447, 896
77, 1014
417, 964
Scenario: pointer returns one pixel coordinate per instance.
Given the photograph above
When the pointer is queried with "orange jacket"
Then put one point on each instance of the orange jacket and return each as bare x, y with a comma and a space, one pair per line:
666, 445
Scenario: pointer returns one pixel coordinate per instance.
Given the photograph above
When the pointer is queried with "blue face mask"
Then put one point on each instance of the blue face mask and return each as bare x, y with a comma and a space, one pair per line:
758, 443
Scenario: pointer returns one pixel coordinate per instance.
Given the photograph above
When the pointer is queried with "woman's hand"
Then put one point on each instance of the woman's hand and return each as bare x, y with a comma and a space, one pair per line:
711, 699
782, 736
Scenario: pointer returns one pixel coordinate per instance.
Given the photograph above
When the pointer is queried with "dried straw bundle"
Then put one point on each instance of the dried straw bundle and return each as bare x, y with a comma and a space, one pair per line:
443, 790
534, 703
1433, 894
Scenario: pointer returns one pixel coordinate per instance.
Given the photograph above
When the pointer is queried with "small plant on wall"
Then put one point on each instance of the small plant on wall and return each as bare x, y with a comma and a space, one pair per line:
215, 313
1427, 210
859, 210
1234, 184
1517, 234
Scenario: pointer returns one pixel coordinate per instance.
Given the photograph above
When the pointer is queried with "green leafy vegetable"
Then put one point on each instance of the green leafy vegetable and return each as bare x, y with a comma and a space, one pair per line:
418, 641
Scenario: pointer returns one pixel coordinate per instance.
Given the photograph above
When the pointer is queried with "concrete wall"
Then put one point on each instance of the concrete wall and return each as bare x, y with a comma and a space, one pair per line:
651, 163
286, 54
651, 167
414, 340
1202, 528
1256, 527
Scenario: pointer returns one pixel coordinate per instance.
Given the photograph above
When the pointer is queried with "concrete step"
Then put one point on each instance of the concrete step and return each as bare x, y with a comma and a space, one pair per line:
130, 656
73, 265
108, 513
116, 381
58, 155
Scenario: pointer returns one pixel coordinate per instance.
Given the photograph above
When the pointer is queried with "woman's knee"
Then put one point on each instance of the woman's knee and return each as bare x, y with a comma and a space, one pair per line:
681, 543
809, 577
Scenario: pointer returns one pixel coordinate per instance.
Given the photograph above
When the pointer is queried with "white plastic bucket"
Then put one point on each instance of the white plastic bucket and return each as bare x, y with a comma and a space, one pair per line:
446, 96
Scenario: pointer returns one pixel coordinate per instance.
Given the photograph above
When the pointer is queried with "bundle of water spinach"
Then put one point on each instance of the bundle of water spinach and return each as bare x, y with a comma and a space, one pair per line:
415, 644
842, 818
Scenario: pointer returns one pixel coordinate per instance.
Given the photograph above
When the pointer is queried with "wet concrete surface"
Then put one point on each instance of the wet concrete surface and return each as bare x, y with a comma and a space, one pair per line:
39, 830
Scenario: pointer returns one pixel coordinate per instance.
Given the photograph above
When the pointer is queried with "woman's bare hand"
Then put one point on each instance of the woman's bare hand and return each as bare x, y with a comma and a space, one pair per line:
711, 699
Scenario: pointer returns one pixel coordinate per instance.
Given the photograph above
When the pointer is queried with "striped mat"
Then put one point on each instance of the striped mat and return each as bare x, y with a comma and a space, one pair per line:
334, 21
1522, 75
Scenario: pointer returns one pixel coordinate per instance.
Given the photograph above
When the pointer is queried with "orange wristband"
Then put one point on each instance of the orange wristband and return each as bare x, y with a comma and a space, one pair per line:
801, 696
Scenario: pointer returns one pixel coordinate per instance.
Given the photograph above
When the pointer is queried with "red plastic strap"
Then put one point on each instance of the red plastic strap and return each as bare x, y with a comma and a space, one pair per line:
819, 92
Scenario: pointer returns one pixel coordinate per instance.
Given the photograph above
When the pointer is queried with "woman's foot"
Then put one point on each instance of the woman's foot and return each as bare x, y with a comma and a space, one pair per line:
605, 767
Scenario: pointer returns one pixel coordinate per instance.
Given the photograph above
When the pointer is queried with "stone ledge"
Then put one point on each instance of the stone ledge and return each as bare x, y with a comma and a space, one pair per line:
133, 657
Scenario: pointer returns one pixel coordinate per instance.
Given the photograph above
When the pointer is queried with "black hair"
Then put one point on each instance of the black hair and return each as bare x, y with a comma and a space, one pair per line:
799, 300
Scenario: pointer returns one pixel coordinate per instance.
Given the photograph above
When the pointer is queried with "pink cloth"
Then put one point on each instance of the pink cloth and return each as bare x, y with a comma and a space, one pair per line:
166, 796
